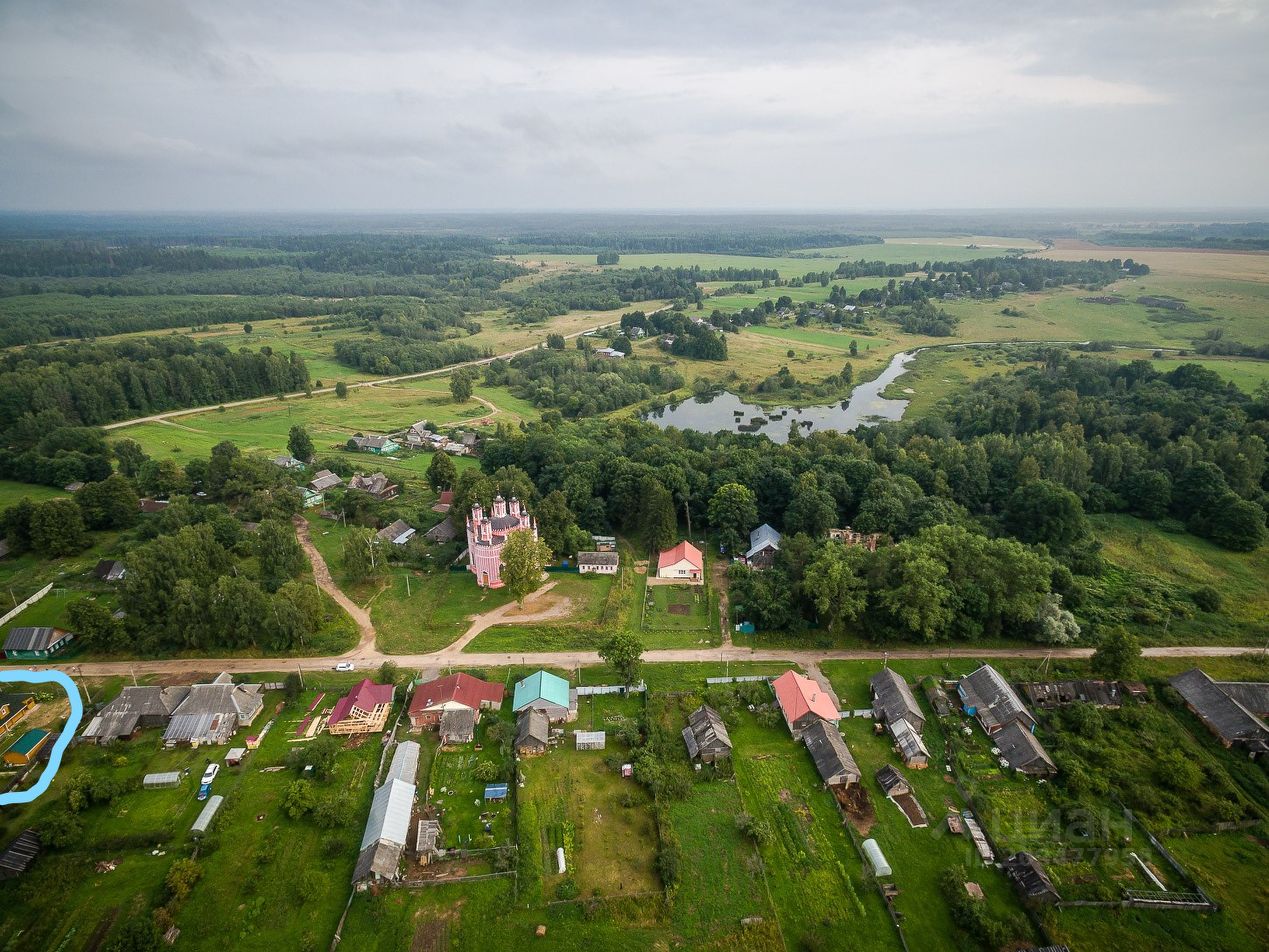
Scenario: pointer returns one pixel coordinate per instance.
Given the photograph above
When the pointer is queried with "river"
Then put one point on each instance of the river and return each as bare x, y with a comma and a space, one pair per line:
726, 411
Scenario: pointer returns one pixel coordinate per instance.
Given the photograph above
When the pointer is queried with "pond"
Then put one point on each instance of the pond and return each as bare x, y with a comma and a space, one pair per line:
726, 411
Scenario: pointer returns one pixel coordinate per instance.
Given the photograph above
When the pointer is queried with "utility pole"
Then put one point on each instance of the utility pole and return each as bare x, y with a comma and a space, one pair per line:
407, 584
84, 684
300, 671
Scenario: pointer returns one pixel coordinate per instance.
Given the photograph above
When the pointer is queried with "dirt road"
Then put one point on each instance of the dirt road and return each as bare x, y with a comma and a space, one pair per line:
321, 574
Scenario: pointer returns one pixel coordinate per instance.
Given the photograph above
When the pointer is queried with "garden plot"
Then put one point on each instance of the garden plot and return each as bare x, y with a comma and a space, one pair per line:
579, 801
677, 608
456, 787
815, 877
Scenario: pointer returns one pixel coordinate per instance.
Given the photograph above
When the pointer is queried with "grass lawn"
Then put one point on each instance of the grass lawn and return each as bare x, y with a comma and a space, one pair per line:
1180, 563
582, 803
588, 603
431, 612
12, 493
814, 876
459, 796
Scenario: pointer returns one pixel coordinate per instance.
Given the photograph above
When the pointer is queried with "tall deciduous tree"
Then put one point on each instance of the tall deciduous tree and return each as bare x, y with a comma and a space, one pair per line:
359, 559
441, 472
1118, 655
460, 385
57, 528
623, 651
834, 582
109, 504
524, 558
657, 523
280, 555
130, 456
733, 512
300, 443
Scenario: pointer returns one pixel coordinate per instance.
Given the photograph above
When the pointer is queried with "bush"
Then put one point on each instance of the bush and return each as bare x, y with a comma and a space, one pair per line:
1207, 598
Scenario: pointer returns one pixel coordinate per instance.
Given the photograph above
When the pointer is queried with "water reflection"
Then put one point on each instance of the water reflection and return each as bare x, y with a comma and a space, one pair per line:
727, 411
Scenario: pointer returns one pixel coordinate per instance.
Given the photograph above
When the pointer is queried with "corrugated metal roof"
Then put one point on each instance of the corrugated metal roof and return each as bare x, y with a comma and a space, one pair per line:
405, 762
28, 742
760, 538
541, 686
496, 791
389, 818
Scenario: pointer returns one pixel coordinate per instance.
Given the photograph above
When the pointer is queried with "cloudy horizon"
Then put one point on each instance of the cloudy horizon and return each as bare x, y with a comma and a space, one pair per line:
160, 105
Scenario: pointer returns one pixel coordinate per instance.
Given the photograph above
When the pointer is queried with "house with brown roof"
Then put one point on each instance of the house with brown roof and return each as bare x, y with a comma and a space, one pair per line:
706, 736
453, 692
533, 732
363, 710
802, 702
376, 484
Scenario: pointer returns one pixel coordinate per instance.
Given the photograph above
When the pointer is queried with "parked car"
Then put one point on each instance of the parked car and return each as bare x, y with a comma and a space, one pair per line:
210, 773
344, 666
204, 791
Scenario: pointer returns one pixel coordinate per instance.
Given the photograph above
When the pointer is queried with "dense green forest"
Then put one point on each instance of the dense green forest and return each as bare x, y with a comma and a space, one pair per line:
986, 506
99, 383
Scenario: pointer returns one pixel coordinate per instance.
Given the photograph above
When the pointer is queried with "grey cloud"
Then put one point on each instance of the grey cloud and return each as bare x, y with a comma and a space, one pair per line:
416, 105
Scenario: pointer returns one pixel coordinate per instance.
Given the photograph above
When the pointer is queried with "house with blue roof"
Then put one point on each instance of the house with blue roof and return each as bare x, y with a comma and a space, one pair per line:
548, 693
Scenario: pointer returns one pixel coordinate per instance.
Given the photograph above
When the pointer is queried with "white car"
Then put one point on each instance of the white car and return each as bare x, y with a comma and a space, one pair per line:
344, 666
210, 773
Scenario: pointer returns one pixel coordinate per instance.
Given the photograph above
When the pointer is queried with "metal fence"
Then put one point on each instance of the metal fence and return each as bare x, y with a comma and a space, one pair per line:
585, 690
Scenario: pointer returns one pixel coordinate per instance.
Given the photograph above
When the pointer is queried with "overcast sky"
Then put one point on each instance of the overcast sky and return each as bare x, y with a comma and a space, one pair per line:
308, 105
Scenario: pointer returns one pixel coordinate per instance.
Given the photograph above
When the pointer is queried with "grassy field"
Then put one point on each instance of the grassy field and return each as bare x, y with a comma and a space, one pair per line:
941, 371
677, 608
814, 876
12, 493
893, 251
1178, 563
602, 820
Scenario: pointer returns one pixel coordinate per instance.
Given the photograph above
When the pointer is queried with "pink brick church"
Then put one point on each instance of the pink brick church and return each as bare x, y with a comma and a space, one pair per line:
486, 535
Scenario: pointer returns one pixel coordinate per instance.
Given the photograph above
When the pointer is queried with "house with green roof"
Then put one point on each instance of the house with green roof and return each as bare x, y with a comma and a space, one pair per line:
548, 693
26, 748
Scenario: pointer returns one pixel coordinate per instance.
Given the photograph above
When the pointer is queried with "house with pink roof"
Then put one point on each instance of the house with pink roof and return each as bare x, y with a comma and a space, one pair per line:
363, 710
802, 702
684, 563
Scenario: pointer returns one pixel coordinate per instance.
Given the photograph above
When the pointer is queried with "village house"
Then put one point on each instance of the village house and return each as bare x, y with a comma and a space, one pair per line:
457, 727
212, 713
388, 824
442, 532
1030, 879
546, 692
486, 535
848, 536
667, 341
1022, 751
399, 533
13, 710
311, 498
802, 702
706, 736
363, 710
599, 563
454, 692
377, 485
1234, 711
24, 750
832, 757
764, 543
323, 480
287, 462
533, 732
135, 709
35, 644
109, 570
892, 700
379, 445
987, 696
683, 562
609, 353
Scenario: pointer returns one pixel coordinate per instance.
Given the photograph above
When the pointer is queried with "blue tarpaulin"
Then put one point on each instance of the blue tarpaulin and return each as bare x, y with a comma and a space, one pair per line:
496, 791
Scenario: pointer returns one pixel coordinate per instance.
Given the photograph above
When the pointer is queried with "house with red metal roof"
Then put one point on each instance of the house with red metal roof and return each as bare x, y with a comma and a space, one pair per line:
802, 702
364, 710
454, 692
683, 562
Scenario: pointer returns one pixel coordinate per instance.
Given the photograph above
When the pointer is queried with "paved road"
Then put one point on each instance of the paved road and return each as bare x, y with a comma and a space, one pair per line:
169, 415
448, 657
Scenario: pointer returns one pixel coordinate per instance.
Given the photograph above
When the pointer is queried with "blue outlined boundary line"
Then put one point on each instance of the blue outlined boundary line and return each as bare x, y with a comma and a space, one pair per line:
63, 740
